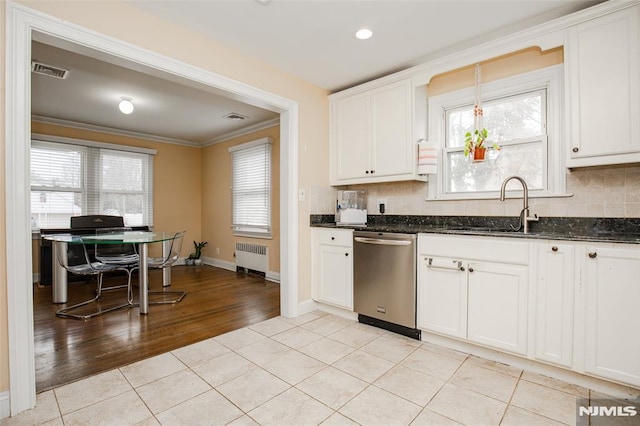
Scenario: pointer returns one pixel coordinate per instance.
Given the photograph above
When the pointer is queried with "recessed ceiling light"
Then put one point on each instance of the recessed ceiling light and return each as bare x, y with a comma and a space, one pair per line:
364, 33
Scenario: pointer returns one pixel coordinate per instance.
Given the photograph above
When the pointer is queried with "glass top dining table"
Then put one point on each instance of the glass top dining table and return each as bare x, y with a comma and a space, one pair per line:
141, 238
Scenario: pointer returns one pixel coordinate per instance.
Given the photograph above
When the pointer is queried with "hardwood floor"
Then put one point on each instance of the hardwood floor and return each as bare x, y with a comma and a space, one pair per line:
217, 301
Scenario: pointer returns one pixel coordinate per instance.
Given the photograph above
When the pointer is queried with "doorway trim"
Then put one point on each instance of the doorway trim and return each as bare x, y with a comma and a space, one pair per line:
21, 23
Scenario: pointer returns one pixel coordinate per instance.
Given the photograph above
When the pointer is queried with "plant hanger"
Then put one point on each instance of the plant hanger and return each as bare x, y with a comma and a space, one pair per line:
474, 141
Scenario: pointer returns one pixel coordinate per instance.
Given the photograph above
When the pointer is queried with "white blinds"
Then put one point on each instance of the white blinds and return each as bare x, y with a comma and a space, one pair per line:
70, 180
251, 188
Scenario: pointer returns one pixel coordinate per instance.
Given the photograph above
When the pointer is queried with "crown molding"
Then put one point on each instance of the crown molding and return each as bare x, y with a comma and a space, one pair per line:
241, 132
111, 130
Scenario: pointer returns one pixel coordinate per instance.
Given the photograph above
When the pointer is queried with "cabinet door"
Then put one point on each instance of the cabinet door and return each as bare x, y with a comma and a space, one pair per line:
442, 296
335, 276
604, 88
555, 303
612, 327
352, 134
393, 151
497, 306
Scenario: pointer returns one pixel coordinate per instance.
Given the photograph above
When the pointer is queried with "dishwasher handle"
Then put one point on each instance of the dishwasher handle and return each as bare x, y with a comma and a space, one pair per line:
383, 242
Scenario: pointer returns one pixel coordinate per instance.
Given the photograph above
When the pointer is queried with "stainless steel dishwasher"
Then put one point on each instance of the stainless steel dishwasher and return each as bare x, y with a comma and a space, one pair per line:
384, 280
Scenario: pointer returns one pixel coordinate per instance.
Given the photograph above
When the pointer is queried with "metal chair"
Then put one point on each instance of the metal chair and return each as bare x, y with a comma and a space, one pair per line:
88, 268
123, 256
170, 254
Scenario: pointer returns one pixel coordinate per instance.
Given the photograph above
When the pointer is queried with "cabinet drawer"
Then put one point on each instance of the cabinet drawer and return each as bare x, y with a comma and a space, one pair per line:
474, 248
334, 237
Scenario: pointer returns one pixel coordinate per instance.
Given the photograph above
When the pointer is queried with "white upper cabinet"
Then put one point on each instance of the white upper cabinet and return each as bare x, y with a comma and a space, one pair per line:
351, 131
371, 136
603, 89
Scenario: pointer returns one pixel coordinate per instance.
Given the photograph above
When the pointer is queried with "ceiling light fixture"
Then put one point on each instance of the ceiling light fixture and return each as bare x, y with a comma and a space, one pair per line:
364, 33
125, 105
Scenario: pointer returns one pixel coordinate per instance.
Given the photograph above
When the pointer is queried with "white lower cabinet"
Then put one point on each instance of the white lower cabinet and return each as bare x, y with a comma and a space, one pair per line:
554, 306
478, 300
497, 305
584, 300
611, 283
442, 296
332, 267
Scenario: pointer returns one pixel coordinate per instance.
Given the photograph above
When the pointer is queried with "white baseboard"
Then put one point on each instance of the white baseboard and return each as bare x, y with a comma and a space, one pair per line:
231, 266
307, 306
211, 261
5, 404
603, 386
340, 312
273, 276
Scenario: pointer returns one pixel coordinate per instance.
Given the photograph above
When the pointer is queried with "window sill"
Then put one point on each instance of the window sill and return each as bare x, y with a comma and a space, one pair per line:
247, 234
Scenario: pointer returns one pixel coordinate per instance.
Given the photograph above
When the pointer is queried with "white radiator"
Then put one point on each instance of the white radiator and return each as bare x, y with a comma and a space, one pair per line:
252, 256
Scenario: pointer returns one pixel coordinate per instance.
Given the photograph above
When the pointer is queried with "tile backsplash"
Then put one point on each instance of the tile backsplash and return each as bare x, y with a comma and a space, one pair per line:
610, 191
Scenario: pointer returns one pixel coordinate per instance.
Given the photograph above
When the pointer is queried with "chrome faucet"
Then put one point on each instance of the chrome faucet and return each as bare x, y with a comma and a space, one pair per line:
524, 214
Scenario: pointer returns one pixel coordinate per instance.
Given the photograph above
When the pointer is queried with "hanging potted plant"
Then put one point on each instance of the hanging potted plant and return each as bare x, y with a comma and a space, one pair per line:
474, 144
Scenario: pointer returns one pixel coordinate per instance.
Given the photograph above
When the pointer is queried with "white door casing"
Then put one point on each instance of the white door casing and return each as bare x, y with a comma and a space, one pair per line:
21, 23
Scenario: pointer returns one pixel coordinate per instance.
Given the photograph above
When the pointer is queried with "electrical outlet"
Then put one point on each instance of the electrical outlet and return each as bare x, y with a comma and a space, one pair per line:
302, 195
218, 251
382, 205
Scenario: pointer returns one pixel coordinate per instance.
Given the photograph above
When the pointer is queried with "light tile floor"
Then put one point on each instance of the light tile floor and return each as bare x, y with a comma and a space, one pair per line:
314, 369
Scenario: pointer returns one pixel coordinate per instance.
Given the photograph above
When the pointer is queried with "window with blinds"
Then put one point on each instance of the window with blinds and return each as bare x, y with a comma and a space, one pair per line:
74, 179
251, 188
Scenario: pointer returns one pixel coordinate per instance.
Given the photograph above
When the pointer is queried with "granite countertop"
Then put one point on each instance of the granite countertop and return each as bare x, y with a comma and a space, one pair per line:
613, 230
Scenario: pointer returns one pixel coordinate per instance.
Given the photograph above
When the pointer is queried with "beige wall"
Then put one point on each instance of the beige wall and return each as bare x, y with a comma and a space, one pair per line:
136, 27
216, 199
495, 69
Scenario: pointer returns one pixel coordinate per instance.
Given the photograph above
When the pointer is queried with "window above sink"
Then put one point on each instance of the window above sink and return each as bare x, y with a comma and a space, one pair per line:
522, 115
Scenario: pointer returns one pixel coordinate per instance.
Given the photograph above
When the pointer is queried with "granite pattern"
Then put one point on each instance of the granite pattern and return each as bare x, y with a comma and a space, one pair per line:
616, 230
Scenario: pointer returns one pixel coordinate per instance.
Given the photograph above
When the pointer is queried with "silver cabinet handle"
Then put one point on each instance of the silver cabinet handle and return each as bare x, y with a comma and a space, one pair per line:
456, 265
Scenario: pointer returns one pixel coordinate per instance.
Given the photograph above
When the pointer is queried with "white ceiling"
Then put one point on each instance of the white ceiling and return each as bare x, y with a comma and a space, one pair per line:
314, 39
311, 39
164, 110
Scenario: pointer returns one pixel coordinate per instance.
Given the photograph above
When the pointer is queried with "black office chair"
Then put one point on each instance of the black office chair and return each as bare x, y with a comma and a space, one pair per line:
88, 268
94, 221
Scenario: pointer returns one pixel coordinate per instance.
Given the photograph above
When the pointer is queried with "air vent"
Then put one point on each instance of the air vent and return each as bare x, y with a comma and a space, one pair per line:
50, 70
235, 116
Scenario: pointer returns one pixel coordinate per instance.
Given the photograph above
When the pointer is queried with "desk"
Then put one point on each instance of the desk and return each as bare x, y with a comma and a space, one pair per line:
141, 238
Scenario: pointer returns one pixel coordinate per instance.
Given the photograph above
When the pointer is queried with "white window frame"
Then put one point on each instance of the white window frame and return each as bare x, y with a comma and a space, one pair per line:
549, 79
92, 184
246, 230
